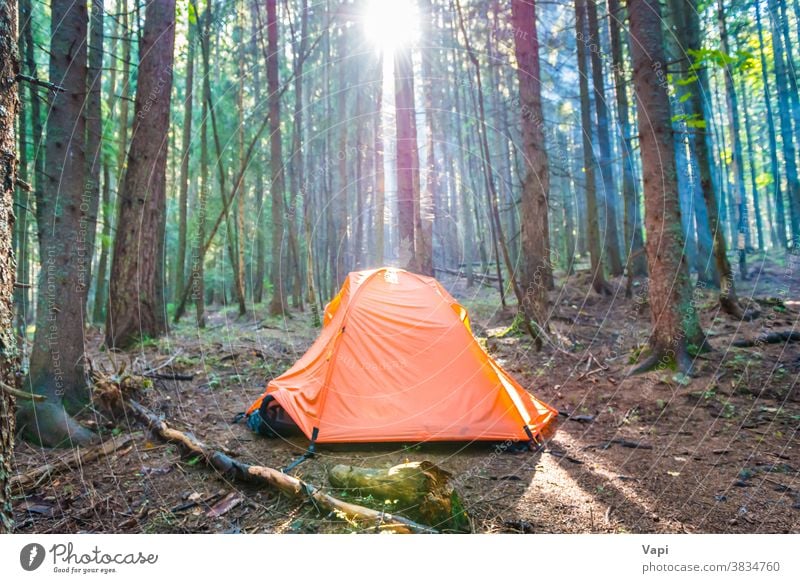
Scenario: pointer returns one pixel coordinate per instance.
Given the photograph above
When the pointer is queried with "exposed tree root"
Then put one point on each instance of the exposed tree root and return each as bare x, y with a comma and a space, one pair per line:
732, 307
662, 358
271, 477
769, 338
48, 424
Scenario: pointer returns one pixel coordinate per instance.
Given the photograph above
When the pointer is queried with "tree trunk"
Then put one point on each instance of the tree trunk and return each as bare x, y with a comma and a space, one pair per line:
94, 139
22, 198
198, 290
298, 173
240, 206
609, 197
427, 200
674, 320
9, 105
634, 241
407, 158
737, 159
701, 107
535, 234
135, 294
785, 115
277, 304
380, 193
752, 158
56, 365
100, 290
259, 252
186, 144
599, 282
126, 31
777, 193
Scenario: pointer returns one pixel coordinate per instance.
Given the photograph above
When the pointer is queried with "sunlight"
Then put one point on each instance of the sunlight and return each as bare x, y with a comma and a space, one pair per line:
389, 24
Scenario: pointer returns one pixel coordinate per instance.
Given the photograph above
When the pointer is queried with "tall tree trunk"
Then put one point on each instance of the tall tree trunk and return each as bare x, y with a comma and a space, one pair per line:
135, 294
240, 203
737, 159
785, 115
535, 275
777, 193
427, 200
701, 107
752, 158
9, 105
407, 157
198, 291
186, 144
126, 32
259, 251
634, 241
57, 365
534, 323
101, 278
380, 193
673, 315
609, 197
277, 305
22, 198
94, 141
599, 282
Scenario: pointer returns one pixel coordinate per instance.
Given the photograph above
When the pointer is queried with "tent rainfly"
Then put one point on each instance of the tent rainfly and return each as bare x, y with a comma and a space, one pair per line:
396, 361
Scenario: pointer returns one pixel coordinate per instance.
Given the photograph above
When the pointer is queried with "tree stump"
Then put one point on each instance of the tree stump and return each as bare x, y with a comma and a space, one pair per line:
419, 489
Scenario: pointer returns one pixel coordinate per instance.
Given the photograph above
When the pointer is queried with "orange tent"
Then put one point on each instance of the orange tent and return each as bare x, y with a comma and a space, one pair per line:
396, 361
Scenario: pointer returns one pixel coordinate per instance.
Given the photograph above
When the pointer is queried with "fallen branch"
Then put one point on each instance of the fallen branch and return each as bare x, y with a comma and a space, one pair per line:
459, 273
289, 485
77, 458
21, 394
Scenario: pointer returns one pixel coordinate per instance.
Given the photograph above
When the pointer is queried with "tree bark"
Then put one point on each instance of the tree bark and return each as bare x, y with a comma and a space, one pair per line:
737, 160
56, 365
135, 309
674, 319
277, 305
186, 144
785, 115
634, 241
407, 158
94, 136
701, 108
609, 216
535, 274
777, 193
427, 199
380, 192
9, 106
599, 282
752, 159
259, 252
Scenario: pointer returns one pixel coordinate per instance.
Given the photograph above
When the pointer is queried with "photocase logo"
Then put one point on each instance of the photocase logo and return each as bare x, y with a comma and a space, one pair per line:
31, 556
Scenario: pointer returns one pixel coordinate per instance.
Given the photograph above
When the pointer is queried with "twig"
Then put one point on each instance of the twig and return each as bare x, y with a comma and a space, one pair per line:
22, 394
39, 82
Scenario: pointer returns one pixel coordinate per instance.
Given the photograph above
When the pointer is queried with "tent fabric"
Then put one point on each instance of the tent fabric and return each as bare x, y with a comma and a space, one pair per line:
396, 361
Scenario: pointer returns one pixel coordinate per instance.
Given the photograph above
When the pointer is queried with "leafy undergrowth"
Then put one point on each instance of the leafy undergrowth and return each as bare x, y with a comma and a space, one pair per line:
715, 452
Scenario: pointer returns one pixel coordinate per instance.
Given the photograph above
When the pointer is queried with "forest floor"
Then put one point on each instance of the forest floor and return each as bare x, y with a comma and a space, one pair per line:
658, 452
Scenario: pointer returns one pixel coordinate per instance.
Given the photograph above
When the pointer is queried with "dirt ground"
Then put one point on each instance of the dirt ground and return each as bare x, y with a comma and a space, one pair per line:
657, 452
